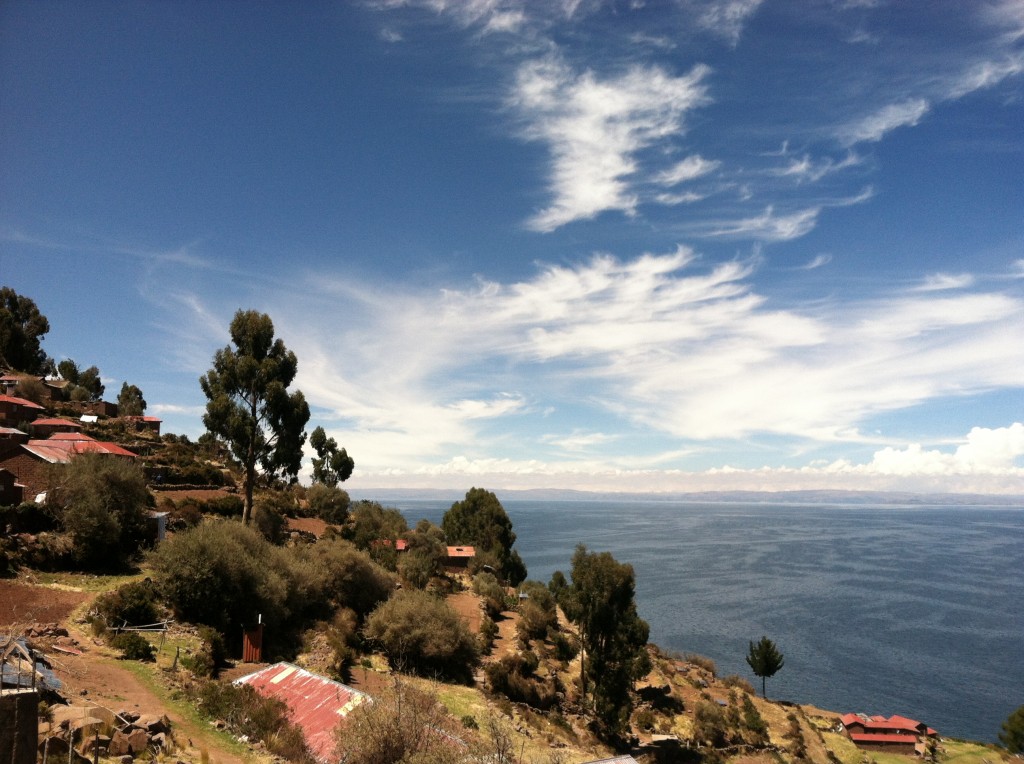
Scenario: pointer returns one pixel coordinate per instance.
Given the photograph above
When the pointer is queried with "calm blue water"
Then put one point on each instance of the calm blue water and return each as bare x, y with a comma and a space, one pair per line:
915, 611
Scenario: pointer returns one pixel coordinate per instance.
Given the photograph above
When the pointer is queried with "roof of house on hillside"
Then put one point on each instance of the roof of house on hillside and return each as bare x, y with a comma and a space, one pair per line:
461, 551
20, 402
56, 422
8, 431
60, 450
315, 703
894, 725
75, 436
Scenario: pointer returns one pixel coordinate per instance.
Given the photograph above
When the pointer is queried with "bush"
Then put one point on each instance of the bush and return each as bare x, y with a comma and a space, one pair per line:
223, 574
102, 503
134, 646
709, 726
739, 683
269, 522
133, 604
348, 577
702, 662
486, 586
513, 677
247, 712
566, 646
423, 634
224, 506
538, 613
329, 504
488, 633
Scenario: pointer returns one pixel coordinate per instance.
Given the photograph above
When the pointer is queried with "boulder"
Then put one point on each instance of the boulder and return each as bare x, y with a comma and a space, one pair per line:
153, 724
99, 743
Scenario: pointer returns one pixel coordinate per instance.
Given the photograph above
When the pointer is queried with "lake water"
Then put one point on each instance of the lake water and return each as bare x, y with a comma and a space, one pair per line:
880, 609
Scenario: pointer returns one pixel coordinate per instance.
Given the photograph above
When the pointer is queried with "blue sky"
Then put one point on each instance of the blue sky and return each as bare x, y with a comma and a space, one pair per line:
678, 245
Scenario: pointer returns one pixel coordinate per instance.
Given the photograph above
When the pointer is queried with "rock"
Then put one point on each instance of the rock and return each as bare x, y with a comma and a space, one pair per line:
94, 743
123, 743
128, 716
159, 740
126, 759
153, 724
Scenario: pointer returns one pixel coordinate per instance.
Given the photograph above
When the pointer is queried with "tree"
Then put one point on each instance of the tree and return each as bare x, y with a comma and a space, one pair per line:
86, 385
329, 504
764, 660
248, 403
130, 401
22, 327
1012, 735
480, 521
331, 465
102, 502
601, 603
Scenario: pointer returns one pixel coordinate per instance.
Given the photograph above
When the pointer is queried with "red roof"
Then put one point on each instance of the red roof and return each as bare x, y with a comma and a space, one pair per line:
315, 703
70, 436
20, 402
894, 726
56, 422
461, 551
61, 449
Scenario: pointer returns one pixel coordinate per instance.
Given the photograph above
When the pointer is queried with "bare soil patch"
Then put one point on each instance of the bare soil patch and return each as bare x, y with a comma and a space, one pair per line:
22, 603
199, 494
313, 525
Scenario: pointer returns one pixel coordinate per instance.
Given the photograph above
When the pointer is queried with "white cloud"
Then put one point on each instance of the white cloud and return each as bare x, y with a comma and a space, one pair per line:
885, 120
806, 169
726, 17
768, 226
688, 169
595, 128
578, 441
941, 281
985, 74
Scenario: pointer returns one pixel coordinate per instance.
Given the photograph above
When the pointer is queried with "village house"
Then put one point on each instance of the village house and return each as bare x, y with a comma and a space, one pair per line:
895, 734
30, 462
44, 427
144, 423
14, 411
12, 492
315, 703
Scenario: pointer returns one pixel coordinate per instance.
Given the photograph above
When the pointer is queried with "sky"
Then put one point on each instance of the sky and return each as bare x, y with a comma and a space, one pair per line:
682, 245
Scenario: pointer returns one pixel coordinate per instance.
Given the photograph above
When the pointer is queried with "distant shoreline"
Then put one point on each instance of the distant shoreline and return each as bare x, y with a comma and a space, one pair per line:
850, 498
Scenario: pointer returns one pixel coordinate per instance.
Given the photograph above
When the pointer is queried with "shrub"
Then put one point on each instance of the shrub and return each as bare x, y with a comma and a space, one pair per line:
247, 712
269, 522
329, 504
212, 654
225, 506
702, 662
133, 604
134, 646
370, 522
709, 726
423, 634
486, 586
512, 676
739, 683
488, 633
566, 646
348, 577
538, 613
102, 503
224, 575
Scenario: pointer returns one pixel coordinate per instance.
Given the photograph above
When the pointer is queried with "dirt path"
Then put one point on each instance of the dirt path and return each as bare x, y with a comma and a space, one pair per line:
96, 676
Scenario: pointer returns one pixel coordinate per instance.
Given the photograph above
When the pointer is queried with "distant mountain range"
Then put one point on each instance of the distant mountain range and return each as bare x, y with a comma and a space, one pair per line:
899, 498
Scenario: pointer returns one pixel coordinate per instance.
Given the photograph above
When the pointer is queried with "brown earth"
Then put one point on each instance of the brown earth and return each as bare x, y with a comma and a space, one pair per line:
97, 676
21, 603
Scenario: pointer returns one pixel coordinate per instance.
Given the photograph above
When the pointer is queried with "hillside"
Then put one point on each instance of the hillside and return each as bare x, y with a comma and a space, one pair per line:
671, 713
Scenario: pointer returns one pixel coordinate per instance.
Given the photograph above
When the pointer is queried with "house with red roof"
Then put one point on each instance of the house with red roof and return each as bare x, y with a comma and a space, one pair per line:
315, 703
895, 734
44, 427
30, 462
140, 423
14, 410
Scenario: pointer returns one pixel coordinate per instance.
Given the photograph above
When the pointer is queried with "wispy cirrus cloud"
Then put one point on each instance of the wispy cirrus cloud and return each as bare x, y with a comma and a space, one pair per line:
692, 167
876, 125
726, 17
595, 127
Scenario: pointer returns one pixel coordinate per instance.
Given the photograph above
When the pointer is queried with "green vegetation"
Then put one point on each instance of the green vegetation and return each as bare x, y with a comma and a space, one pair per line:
764, 660
600, 602
422, 634
1012, 735
101, 502
130, 401
22, 327
330, 465
480, 521
134, 646
249, 406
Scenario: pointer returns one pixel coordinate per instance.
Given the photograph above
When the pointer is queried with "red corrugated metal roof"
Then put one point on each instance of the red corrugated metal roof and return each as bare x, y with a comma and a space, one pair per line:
20, 402
461, 551
55, 421
315, 703
75, 444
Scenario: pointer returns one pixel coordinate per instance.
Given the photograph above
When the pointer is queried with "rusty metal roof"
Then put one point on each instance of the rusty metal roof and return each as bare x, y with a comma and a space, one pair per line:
315, 703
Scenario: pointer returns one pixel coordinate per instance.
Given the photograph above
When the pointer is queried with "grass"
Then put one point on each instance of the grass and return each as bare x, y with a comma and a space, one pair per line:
80, 582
